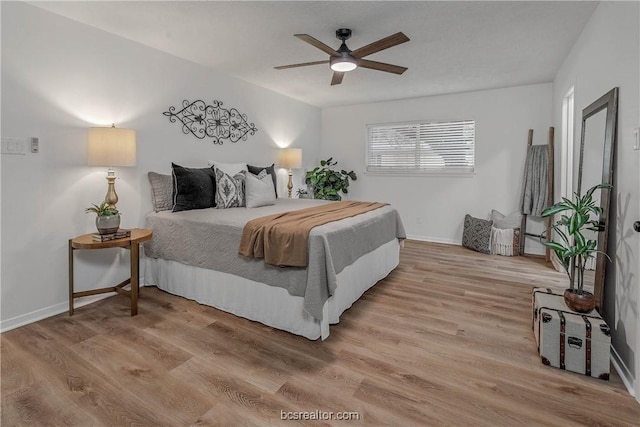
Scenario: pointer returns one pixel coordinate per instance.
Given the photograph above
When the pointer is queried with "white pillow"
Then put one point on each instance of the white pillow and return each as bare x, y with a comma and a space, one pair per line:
259, 190
229, 168
513, 220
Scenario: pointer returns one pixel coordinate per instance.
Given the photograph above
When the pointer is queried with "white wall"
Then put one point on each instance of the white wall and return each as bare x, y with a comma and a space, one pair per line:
59, 78
433, 207
605, 56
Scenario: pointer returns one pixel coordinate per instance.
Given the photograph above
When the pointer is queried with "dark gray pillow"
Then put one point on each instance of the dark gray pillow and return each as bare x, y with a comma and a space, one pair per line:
161, 191
193, 188
271, 170
477, 234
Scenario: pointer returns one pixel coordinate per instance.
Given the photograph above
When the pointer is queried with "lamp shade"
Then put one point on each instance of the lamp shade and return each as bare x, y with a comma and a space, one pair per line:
291, 158
111, 147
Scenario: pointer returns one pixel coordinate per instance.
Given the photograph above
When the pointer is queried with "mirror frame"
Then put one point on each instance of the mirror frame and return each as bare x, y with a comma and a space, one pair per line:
608, 101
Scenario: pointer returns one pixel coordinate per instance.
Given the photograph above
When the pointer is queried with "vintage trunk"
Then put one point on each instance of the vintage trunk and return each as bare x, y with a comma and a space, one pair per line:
568, 340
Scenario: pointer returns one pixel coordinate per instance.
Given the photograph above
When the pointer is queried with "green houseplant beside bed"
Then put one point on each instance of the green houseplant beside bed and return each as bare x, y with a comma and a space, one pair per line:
326, 182
573, 249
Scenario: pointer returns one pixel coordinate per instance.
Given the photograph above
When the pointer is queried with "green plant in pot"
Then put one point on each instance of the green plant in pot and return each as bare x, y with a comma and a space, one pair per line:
302, 193
107, 217
572, 248
327, 183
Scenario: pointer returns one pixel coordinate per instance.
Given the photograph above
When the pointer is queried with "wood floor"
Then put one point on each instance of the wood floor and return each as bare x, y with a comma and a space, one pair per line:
445, 340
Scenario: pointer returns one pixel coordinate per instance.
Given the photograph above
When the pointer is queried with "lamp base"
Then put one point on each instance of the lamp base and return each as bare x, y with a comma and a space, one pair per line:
290, 184
111, 198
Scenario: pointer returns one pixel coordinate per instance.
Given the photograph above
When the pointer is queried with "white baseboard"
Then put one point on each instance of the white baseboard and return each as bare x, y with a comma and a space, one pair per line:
43, 313
535, 251
623, 372
433, 239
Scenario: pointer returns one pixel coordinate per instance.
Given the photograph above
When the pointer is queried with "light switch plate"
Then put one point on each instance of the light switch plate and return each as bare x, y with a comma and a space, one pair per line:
15, 145
35, 145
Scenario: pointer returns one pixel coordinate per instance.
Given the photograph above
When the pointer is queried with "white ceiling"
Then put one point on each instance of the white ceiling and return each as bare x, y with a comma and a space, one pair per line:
454, 47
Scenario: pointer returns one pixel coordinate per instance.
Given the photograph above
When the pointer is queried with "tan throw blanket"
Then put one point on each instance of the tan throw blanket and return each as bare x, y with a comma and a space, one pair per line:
282, 239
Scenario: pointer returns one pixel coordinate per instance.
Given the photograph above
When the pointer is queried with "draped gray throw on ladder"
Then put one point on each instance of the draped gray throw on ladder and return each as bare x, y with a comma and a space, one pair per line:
534, 192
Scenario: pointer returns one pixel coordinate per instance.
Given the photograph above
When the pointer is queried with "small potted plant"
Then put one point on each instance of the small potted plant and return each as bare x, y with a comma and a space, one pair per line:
327, 183
573, 249
302, 193
107, 217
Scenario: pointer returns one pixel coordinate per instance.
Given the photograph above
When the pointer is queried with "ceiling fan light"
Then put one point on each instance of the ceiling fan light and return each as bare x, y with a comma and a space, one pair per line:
342, 64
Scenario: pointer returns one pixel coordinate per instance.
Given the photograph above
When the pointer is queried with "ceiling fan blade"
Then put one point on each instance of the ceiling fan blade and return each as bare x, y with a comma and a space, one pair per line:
385, 43
381, 66
337, 78
304, 64
317, 43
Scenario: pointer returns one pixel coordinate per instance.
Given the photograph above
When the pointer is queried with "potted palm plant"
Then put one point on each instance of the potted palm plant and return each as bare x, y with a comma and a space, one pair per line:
107, 217
573, 249
327, 183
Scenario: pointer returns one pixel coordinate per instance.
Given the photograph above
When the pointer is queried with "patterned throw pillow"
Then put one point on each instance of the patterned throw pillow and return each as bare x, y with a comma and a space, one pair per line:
228, 168
477, 234
229, 190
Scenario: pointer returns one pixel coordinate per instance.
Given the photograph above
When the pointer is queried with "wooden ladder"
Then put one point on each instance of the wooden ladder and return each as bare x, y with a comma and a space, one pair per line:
523, 226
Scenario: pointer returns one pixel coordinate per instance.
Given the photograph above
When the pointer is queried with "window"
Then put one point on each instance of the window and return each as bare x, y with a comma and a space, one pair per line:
421, 147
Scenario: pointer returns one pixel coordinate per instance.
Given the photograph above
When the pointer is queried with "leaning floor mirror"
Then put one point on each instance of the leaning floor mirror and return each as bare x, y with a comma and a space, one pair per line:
596, 166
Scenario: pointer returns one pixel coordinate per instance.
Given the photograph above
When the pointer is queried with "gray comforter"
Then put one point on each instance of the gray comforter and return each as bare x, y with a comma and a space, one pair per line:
209, 238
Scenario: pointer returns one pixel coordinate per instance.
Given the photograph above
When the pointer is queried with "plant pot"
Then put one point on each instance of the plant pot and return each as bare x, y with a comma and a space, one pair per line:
107, 224
579, 301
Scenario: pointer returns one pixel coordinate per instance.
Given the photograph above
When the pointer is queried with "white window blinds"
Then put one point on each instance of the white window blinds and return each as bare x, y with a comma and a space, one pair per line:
421, 147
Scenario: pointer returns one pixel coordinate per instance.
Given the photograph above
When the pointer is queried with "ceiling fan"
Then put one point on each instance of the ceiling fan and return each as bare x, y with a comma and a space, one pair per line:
344, 59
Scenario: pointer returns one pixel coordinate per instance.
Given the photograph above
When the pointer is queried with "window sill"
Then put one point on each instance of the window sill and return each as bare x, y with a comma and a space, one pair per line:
422, 174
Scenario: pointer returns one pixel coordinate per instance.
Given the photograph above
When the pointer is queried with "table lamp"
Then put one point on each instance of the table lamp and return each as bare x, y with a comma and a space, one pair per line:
291, 158
111, 147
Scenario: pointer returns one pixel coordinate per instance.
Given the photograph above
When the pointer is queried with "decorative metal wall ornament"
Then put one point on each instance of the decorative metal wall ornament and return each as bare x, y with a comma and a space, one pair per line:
212, 121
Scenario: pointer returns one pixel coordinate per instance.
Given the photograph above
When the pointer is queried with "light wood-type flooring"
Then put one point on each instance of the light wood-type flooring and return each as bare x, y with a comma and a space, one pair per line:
445, 340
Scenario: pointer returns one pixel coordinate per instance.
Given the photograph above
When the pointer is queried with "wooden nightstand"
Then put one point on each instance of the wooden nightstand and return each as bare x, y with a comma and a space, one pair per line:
138, 235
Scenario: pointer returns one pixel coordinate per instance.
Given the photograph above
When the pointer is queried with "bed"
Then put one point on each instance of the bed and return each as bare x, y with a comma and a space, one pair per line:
194, 254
